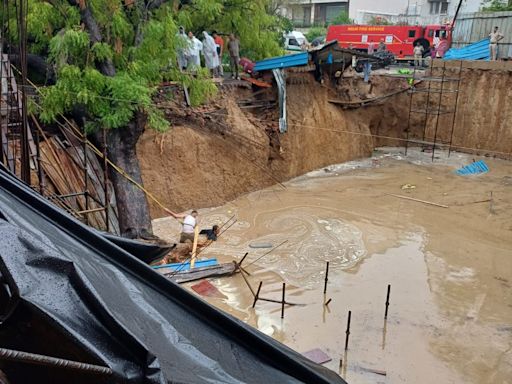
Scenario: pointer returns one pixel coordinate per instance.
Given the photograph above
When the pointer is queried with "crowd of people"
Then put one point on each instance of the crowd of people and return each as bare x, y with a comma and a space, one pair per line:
211, 47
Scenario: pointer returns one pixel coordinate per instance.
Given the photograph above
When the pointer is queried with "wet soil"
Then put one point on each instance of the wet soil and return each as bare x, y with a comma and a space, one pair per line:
450, 269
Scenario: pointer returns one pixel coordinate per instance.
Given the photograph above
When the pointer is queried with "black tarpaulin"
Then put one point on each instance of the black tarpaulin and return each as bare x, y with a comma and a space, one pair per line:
68, 292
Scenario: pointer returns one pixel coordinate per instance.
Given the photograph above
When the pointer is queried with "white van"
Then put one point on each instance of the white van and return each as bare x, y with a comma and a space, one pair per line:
294, 40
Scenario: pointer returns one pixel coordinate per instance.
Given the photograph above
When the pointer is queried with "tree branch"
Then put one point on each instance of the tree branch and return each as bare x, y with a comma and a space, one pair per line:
106, 66
38, 64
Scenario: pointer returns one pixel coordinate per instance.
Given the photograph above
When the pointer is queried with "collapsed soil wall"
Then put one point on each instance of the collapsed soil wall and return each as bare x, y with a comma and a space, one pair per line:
483, 114
208, 162
208, 159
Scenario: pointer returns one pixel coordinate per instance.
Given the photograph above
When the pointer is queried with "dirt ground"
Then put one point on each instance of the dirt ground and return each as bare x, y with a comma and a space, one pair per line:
209, 158
450, 269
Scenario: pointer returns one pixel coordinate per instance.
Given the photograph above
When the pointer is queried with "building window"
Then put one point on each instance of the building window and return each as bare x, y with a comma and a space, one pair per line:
412, 33
434, 7
444, 8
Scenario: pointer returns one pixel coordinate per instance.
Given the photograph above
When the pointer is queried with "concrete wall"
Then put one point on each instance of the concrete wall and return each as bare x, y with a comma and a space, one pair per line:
357, 8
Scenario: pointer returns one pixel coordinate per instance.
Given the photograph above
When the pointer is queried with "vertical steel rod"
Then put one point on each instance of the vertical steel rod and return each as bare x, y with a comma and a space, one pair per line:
24, 137
455, 109
428, 99
257, 294
40, 174
387, 302
326, 277
282, 303
410, 111
347, 332
105, 181
86, 178
439, 110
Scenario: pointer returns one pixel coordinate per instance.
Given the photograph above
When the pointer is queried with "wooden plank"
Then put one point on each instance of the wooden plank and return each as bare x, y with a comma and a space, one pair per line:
418, 200
201, 273
194, 247
186, 266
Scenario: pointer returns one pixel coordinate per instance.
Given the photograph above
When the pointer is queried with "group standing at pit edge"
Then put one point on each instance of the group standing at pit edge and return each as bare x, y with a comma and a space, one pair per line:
212, 48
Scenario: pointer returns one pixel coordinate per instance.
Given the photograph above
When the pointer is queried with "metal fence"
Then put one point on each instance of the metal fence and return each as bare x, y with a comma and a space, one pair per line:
473, 27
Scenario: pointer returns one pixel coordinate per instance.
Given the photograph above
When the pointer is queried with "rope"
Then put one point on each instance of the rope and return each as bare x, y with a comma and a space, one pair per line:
297, 124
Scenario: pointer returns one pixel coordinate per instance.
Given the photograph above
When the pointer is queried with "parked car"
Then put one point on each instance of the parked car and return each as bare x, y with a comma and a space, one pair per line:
294, 40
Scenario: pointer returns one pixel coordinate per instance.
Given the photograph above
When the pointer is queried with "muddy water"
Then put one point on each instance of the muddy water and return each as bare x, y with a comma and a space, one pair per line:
450, 269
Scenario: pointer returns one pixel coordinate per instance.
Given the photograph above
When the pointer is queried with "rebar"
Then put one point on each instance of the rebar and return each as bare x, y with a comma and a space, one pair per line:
387, 302
283, 302
33, 358
347, 332
256, 296
326, 277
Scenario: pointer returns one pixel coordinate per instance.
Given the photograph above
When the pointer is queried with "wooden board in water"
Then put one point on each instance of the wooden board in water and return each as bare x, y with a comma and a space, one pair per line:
225, 269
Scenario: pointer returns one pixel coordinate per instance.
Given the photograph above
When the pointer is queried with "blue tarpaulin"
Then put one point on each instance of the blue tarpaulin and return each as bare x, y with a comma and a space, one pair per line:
282, 62
475, 51
473, 168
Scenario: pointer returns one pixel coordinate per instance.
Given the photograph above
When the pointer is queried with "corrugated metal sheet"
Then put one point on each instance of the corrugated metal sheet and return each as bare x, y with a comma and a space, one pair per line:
473, 27
475, 51
281, 87
282, 62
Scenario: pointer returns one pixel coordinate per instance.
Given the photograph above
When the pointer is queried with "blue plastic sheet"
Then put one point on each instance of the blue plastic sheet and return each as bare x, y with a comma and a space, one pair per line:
473, 168
475, 51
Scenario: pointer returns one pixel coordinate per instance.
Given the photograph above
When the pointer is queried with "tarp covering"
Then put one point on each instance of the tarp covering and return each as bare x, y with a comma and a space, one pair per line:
66, 291
285, 61
475, 51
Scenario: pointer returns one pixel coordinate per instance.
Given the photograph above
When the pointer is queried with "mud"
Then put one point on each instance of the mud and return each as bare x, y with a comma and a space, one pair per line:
450, 269
208, 159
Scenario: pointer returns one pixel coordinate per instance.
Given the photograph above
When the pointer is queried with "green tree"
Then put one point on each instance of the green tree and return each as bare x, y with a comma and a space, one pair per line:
315, 32
260, 31
497, 5
108, 56
379, 20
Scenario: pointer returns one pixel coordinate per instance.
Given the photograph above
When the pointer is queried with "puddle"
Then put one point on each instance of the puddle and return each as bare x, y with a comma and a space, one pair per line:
450, 269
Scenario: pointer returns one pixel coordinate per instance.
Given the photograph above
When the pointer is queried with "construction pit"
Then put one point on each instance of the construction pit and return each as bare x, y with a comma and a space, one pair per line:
442, 241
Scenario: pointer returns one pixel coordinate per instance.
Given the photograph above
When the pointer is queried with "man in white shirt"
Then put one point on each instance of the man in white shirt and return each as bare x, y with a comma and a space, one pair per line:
494, 37
187, 226
194, 49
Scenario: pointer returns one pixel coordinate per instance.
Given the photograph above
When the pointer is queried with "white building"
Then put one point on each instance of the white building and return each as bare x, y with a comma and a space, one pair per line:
358, 8
308, 13
421, 12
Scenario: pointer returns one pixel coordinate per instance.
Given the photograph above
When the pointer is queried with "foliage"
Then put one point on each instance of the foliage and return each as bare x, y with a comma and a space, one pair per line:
260, 32
379, 20
315, 32
496, 6
142, 46
342, 19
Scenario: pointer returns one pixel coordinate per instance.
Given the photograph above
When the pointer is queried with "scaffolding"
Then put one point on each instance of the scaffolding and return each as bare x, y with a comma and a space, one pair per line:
441, 94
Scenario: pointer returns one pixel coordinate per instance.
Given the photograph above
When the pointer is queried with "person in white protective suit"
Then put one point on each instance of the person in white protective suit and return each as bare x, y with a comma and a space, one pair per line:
211, 58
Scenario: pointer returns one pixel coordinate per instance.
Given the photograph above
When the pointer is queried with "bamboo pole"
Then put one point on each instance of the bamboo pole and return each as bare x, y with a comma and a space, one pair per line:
194, 247
418, 200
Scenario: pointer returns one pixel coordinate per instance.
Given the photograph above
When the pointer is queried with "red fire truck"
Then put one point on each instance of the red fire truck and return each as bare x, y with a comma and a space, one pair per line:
399, 39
